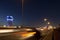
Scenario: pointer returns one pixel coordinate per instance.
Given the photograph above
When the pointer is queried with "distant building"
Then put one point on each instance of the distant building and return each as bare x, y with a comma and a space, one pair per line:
10, 20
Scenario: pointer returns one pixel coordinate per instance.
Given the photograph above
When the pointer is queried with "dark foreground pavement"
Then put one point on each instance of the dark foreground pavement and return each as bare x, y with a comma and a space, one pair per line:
53, 35
57, 34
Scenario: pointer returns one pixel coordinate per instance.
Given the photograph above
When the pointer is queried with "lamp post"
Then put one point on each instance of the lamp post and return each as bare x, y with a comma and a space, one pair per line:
47, 22
22, 13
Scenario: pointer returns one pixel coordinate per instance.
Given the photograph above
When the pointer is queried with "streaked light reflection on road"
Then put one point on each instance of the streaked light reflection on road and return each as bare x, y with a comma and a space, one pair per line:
7, 30
25, 35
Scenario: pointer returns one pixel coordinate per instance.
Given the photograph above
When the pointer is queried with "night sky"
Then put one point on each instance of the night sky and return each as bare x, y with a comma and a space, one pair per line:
34, 11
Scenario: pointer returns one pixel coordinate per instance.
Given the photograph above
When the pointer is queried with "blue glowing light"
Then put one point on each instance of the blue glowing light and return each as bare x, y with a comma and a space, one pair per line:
9, 18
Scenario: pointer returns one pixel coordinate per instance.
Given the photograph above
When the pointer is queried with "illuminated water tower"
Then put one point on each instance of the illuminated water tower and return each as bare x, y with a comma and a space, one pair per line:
10, 20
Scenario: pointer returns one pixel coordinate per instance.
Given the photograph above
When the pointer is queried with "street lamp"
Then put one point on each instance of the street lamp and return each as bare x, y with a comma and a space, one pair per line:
48, 23
22, 13
45, 19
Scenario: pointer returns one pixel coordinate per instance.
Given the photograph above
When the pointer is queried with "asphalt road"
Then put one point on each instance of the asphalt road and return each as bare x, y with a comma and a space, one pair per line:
17, 36
49, 35
9, 37
53, 35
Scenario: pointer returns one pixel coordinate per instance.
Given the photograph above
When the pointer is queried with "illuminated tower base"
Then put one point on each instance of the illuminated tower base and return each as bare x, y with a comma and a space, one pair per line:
10, 20
10, 23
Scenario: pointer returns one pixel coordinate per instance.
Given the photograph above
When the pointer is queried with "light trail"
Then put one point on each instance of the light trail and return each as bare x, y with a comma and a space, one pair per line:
27, 35
7, 30
22, 12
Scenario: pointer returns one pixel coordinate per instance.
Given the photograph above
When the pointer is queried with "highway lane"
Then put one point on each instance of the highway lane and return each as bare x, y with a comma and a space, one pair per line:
48, 36
10, 37
4, 32
8, 30
53, 35
14, 36
19, 35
